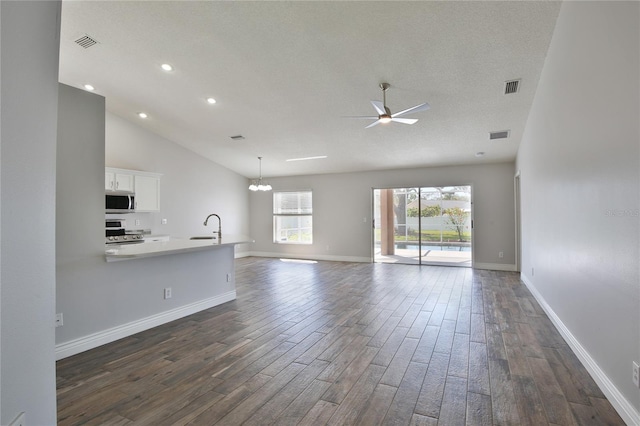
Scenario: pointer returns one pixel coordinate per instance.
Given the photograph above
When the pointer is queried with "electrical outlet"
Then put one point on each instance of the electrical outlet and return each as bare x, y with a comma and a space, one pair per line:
167, 293
501, 254
59, 320
137, 222
20, 420
636, 374
163, 222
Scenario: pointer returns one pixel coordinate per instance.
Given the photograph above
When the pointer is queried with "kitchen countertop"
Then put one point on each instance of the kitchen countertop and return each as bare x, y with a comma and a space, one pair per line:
172, 246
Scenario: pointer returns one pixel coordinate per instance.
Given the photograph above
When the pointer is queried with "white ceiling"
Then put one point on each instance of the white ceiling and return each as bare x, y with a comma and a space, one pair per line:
285, 74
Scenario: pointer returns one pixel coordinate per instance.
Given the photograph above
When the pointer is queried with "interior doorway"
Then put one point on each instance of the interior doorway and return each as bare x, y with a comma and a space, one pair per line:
423, 225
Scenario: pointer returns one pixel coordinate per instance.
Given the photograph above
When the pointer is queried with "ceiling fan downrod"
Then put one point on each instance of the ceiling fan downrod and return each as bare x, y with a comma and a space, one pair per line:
386, 117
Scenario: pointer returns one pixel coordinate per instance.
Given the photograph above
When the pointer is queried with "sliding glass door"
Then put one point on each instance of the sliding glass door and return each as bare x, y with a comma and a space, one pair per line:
427, 225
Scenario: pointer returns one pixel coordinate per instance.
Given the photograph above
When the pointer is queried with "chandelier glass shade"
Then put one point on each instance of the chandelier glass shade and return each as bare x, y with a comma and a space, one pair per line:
258, 184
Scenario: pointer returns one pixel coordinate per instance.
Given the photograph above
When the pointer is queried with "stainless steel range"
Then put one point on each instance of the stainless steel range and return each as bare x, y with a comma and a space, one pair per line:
115, 233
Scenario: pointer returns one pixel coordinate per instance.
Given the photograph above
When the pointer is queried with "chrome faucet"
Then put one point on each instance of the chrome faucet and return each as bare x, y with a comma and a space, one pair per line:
219, 225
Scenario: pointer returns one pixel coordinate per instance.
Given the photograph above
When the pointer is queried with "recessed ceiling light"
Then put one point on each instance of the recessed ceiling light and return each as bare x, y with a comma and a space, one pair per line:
480, 154
166, 67
142, 115
211, 101
89, 87
307, 158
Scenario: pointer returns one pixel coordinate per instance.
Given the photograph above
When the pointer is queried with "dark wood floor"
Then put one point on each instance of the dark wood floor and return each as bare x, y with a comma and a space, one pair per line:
343, 343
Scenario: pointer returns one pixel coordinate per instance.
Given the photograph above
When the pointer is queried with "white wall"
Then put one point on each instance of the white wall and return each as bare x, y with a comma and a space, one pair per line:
579, 159
29, 50
341, 202
80, 184
192, 187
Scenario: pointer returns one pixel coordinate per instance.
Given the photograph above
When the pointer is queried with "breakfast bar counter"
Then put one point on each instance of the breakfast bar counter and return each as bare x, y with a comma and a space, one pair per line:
171, 246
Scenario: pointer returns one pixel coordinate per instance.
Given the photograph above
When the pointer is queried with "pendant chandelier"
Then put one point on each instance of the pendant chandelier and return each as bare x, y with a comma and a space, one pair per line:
257, 184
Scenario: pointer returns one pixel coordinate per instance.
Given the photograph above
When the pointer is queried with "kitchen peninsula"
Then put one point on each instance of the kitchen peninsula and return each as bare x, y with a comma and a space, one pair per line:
149, 284
171, 246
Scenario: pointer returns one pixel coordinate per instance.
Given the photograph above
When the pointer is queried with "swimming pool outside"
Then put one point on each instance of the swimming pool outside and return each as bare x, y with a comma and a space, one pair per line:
434, 247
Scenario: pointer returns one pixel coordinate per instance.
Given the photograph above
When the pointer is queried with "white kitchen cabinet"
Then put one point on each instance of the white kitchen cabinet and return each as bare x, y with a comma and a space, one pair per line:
124, 182
144, 185
109, 181
147, 194
116, 181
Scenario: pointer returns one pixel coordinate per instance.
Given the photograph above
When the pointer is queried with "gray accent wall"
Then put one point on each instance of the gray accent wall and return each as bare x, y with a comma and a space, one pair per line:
580, 173
342, 209
29, 40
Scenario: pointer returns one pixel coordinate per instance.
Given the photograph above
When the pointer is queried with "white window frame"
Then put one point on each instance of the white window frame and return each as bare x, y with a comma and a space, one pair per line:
300, 214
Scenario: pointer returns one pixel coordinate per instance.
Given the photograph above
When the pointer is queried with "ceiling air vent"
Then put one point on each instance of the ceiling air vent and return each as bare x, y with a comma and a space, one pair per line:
85, 41
511, 86
502, 134
237, 137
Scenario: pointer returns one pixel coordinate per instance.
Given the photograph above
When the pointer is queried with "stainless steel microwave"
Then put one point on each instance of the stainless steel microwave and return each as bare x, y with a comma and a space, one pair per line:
120, 203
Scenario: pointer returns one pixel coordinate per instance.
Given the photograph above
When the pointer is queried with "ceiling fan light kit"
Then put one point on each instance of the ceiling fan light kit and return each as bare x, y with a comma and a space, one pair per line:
384, 113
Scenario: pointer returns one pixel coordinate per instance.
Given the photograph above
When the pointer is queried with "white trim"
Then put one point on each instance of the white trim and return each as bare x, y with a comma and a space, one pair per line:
495, 266
517, 204
310, 257
100, 338
626, 410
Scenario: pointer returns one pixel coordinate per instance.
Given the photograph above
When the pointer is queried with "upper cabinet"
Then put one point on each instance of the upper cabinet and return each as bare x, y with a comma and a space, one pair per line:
118, 181
147, 197
144, 185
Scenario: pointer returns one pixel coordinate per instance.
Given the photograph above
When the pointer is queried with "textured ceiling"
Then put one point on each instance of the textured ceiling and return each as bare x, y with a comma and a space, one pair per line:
285, 75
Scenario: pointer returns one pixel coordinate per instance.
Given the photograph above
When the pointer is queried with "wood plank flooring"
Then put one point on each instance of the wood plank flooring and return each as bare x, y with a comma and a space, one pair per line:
342, 344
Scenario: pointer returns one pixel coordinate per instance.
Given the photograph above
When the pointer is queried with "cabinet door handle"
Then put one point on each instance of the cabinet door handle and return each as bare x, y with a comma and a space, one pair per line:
117, 184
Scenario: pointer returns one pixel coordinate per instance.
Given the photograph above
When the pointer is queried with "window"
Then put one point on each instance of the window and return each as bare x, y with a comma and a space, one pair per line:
292, 217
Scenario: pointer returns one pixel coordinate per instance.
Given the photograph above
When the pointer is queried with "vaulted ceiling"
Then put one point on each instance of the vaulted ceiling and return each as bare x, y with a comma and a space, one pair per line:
286, 74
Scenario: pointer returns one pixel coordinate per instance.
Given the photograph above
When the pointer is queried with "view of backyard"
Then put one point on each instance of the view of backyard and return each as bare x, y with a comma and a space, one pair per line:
427, 225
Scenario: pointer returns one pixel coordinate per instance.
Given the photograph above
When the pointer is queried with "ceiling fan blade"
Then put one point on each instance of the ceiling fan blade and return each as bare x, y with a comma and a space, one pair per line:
379, 106
417, 108
362, 117
404, 120
375, 123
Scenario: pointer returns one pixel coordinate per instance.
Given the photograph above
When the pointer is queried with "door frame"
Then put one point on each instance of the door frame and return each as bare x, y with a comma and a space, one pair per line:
419, 187
517, 200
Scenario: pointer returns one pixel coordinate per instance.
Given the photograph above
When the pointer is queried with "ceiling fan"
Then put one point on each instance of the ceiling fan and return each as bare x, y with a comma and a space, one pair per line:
384, 113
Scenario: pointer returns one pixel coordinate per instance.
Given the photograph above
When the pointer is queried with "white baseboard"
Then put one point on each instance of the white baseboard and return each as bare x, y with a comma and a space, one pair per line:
489, 266
311, 257
624, 408
495, 266
100, 338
